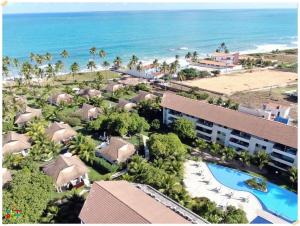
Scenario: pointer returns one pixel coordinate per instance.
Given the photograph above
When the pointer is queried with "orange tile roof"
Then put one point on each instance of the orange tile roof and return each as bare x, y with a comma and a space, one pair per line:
263, 128
216, 63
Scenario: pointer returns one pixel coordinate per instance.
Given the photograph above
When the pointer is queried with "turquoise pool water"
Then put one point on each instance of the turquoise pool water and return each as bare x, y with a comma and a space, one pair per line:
277, 200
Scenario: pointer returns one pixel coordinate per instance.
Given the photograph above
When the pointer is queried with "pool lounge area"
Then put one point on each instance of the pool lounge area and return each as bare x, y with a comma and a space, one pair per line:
278, 201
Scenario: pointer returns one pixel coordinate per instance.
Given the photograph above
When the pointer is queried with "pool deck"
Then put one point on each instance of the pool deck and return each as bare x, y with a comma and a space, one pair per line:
200, 182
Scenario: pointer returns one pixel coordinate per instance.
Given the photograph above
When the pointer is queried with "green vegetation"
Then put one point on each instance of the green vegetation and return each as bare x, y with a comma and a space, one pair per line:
257, 183
191, 73
83, 146
184, 128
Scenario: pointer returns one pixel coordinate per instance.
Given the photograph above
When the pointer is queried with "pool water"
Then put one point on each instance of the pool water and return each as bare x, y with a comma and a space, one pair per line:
260, 220
277, 200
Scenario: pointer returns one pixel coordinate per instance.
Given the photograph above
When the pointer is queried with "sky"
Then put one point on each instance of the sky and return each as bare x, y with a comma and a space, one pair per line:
16, 8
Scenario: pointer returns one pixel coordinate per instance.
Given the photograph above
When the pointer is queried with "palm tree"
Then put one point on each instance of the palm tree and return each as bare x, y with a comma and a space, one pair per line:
215, 148
245, 157
39, 59
38, 72
139, 67
58, 66
5, 70
188, 55
102, 53
64, 54
83, 146
26, 70
32, 57
229, 153
174, 67
117, 62
155, 63
50, 71
164, 67
74, 69
16, 63
176, 57
293, 175
133, 61
261, 158
91, 65
201, 144
105, 64
48, 57
93, 51
195, 56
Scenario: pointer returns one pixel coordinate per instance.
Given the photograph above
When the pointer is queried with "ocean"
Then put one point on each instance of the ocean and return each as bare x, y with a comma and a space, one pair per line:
147, 34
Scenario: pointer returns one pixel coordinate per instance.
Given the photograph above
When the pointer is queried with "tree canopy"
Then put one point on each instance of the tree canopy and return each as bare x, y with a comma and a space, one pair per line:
184, 128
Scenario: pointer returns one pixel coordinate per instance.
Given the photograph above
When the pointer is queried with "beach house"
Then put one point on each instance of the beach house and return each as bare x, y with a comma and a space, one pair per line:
143, 96
235, 129
148, 71
67, 172
57, 99
227, 58
126, 105
60, 132
89, 93
15, 143
121, 202
88, 112
27, 115
113, 87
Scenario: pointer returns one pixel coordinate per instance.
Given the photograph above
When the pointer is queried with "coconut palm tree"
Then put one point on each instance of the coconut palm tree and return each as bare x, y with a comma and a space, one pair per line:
139, 67
83, 146
133, 61
5, 70
58, 66
229, 153
93, 52
188, 55
74, 69
261, 158
39, 59
195, 56
32, 57
155, 63
15, 63
50, 71
91, 65
48, 57
176, 57
105, 64
26, 70
215, 148
201, 144
102, 53
117, 62
64, 54
293, 175
164, 68
38, 72
245, 157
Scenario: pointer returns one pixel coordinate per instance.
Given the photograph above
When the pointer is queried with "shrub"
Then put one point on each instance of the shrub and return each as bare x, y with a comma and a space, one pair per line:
103, 166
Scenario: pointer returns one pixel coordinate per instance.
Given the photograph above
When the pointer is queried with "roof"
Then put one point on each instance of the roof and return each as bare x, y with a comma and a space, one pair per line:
14, 142
59, 97
216, 54
113, 87
275, 105
132, 81
143, 95
60, 131
64, 169
127, 105
88, 111
216, 63
120, 202
263, 128
6, 176
117, 150
27, 115
88, 92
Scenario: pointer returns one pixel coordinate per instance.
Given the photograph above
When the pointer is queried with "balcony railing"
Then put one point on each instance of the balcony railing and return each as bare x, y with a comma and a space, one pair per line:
241, 134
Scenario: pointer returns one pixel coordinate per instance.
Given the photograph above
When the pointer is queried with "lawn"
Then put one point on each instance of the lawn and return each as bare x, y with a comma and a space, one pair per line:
94, 175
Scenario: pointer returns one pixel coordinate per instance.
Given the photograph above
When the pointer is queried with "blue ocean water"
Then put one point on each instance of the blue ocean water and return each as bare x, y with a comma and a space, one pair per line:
277, 200
149, 35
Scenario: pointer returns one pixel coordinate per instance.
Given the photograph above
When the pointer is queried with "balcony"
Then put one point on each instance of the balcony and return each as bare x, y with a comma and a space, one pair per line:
281, 161
241, 134
205, 123
285, 149
238, 143
282, 157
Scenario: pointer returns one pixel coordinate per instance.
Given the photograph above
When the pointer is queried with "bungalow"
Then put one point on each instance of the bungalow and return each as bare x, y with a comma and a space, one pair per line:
113, 87
126, 105
88, 112
90, 93
129, 81
27, 115
143, 96
147, 72
121, 202
223, 67
117, 150
60, 132
15, 143
6, 176
67, 172
57, 99
227, 58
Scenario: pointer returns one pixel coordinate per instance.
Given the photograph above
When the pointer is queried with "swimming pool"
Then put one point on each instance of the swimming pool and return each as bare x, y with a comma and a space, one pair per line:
277, 200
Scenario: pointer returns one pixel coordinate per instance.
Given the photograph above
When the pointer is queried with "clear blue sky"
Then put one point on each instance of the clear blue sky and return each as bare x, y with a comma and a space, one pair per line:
86, 7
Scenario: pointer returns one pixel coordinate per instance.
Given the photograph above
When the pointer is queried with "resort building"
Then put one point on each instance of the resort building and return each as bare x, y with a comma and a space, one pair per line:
88, 112
116, 150
6, 176
121, 202
60, 132
131, 81
143, 96
147, 72
67, 172
270, 111
89, 93
15, 143
126, 105
60, 98
27, 115
227, 58
113, 87
235, 129
220, 66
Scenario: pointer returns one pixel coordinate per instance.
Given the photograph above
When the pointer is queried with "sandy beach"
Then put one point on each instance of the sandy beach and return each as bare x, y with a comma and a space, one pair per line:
238, 82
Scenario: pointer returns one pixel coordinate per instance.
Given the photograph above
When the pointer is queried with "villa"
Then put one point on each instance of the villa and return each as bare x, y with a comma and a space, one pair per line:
15, 143
113, 87
235, 129
88, 112
143, 96
121, 202
27, 115
130, 81
6, 176
116, 150
227, 58
147, 72
60, 132
89, 93
67, 172
126, 105
57, 99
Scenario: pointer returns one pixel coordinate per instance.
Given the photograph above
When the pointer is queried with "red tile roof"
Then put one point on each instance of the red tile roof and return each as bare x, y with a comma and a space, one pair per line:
120, 202
263, 128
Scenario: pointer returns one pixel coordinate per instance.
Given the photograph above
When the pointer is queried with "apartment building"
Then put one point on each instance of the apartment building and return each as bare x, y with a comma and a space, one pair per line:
235, 129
